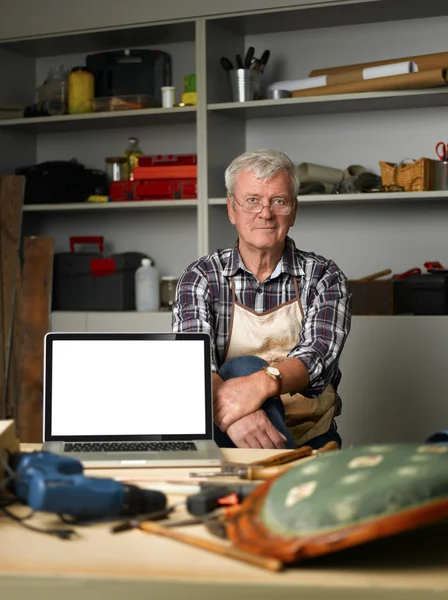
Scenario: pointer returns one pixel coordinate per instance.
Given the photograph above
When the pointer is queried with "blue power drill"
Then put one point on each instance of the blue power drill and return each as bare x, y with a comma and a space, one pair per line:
56, 484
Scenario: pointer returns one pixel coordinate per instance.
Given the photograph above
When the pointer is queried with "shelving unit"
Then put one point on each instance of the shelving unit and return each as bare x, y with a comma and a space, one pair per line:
332, 130
362, 233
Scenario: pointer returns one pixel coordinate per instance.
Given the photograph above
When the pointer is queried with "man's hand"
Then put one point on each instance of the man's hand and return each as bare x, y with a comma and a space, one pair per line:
255, 431
238, 397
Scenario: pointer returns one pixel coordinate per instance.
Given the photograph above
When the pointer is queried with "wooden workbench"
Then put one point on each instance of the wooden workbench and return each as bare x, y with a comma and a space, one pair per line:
135, 565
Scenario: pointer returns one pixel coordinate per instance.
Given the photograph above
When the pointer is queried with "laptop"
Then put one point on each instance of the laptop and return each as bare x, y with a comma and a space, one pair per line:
129, 399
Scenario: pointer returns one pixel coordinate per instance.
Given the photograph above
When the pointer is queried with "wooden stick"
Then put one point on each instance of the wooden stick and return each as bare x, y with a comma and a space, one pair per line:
271, 564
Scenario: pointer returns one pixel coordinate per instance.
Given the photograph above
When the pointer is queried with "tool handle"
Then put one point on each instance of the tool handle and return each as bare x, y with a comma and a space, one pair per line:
376, 275
285, 457
259, 473
271, 564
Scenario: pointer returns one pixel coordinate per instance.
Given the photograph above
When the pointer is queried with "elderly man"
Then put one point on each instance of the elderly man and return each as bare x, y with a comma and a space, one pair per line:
278, 317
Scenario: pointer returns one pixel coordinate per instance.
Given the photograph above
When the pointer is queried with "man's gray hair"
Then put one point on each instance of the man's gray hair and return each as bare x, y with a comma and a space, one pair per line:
264, 164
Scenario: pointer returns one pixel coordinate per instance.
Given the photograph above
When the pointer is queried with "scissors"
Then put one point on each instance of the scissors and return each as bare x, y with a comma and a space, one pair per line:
442, 151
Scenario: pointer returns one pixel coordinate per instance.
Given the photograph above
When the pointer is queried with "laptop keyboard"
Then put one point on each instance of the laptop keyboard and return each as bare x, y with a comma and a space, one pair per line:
129, 446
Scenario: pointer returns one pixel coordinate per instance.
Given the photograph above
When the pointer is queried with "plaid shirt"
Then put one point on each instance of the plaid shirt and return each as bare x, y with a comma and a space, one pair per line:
204, 304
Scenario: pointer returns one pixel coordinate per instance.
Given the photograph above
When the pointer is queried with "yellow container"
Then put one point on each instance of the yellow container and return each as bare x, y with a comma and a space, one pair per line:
81, 91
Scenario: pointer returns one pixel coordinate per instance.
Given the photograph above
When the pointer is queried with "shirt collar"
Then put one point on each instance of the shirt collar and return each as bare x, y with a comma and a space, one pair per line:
289, 263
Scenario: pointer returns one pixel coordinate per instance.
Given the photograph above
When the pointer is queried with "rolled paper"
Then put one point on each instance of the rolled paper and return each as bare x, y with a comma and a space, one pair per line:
411, 81
310, 172
437, 60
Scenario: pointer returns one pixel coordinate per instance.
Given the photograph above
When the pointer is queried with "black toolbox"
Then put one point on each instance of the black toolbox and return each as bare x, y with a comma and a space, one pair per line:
133, 71
425, 294
92, 282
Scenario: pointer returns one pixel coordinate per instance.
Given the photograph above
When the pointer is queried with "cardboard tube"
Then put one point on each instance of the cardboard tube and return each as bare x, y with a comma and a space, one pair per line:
310, 172
411, 81
353, 171
371, 73
438, 60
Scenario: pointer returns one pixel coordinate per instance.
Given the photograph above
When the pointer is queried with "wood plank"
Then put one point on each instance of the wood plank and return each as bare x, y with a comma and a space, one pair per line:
11, 200
13, 374
36, 307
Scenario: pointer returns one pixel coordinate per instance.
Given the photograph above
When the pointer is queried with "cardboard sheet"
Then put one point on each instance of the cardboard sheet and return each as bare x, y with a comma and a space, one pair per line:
438, 60
411, 81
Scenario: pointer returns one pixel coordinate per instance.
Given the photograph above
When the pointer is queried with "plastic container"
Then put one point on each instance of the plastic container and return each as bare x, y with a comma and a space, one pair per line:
52, 95
147, 293
168, 96
125, 102
168, 292
81, 86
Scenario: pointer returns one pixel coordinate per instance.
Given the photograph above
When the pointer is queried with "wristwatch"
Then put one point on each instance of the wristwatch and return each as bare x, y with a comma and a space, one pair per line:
275, 374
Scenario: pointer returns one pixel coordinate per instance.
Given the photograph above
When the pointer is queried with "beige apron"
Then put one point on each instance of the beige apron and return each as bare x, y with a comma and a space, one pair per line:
270, 335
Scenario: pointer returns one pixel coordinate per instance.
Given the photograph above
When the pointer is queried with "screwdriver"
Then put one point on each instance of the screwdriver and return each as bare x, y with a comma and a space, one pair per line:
266, 468
248, 472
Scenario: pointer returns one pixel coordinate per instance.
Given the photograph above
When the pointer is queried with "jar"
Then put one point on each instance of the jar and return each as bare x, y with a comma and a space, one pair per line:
116, 168
81, 84
168, 292
168, 96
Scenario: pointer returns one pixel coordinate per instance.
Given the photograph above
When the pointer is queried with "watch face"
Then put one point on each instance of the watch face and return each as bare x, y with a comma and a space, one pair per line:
273, 371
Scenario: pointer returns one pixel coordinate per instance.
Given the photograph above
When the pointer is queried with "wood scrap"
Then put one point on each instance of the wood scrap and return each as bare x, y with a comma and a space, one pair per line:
11, 201
36, 307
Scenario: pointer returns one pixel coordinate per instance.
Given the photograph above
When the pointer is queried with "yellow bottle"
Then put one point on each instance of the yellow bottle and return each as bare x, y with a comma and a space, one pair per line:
131, 155
81, 90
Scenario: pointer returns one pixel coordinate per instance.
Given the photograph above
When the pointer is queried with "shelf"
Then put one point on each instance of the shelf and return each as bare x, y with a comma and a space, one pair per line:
104, 120
365, 101
131, 36
340, 14
136, 205
441, 196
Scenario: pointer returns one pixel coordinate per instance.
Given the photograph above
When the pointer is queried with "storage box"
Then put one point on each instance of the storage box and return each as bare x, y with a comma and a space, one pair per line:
91, 281
165, 189
125, 102
130, 71
167, 160
372, 297
425, 294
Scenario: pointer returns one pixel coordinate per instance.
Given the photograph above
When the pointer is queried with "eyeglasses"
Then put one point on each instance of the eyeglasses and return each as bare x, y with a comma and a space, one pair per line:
278, 206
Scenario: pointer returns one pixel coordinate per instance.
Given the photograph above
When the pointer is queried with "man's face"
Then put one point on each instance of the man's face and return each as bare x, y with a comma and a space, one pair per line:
265, 230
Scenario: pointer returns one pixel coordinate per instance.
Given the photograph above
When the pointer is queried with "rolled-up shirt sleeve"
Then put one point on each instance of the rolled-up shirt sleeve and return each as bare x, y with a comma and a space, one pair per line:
192, 310
325, 327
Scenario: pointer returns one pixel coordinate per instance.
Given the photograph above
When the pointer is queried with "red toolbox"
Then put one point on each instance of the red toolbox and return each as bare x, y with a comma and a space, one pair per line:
120, 191
166, 160
165, 189
173, 172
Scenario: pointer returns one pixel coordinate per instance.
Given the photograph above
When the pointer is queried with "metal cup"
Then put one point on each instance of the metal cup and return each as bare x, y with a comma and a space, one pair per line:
245, 84
440, 175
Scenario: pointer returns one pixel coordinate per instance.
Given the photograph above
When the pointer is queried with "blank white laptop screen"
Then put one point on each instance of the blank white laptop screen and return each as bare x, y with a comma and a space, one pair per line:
127, 387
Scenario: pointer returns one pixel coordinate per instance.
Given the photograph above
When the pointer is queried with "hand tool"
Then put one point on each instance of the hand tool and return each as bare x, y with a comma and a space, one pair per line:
408, 273
239, 61
442, 151
265, 468
376, 275
263, 60
212, 497
271, 564
433, 265
226, 63
249, 56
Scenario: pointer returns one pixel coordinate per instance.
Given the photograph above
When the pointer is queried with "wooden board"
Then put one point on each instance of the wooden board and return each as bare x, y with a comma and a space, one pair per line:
36, 307
11, 200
